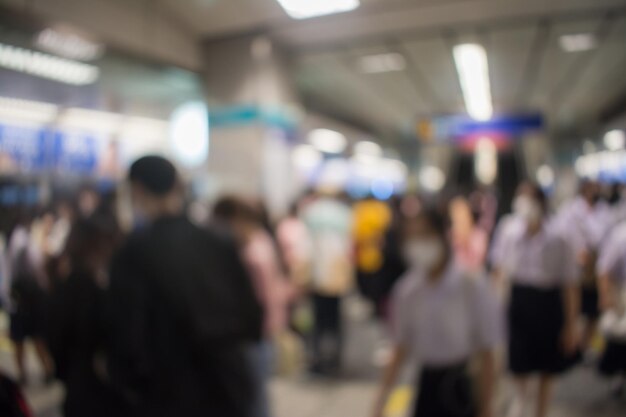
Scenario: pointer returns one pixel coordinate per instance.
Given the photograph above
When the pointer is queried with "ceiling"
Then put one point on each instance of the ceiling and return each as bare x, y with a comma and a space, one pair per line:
529, 71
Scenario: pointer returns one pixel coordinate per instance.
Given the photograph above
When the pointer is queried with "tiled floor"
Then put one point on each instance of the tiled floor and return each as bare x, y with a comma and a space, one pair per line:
579, 394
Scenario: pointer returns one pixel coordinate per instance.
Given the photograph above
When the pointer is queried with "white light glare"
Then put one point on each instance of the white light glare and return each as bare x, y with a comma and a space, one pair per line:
69, 44
91, 120
306, 157
304, 9
328, 141
473, 69
614, 140
47, 66
432, 178
486, 161
189, 133
368, 148
14, 110
578, 42
545, 176
376, 64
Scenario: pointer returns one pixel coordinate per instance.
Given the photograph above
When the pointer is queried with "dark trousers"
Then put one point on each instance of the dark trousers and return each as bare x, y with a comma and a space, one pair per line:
445, 392
327, 338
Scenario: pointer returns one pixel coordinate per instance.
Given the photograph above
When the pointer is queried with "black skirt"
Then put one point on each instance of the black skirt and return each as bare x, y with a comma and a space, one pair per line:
535, 326
613, 359
445, 392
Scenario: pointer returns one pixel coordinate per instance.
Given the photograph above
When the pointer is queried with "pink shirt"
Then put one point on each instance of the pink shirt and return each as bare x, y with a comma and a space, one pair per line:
271, 287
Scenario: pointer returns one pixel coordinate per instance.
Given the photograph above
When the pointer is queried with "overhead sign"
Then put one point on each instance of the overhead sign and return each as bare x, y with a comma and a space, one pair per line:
30, 149
457, 128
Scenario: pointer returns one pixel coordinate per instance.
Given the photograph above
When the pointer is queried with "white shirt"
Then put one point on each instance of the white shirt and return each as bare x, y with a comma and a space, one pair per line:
444, 323
612, 260
543, 260
584, 226
508, 227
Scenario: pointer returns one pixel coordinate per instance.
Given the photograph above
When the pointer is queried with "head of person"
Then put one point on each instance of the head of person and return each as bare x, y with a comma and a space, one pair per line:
89, 245
426, 244
461, 214
237, 215
156, 190
530, 204
88, 201
590, 191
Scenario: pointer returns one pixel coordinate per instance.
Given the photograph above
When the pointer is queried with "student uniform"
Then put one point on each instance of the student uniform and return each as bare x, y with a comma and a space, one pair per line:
538, 266
586, 227
444, 324
612, 262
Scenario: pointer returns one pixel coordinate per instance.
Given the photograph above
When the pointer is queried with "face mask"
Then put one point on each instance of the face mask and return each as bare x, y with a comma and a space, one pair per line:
424, 253
527, 209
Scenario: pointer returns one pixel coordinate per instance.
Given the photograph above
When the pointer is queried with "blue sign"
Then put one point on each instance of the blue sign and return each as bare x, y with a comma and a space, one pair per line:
25, 146
38, 149
454, 127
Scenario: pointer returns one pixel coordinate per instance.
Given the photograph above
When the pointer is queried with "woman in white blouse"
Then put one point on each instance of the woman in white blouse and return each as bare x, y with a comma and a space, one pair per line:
445, 319
544, 299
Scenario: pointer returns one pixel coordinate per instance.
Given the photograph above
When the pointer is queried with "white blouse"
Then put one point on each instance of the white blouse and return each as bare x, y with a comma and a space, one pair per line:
543, 260
444, 323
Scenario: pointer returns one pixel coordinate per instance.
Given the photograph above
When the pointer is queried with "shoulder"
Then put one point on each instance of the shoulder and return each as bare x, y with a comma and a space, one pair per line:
407, 286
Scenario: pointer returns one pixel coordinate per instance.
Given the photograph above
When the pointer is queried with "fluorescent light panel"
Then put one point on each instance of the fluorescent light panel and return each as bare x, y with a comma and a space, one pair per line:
304, 9
473, 69
578, 42
376, 64
34, 112
328, 141
68, 44
47, 66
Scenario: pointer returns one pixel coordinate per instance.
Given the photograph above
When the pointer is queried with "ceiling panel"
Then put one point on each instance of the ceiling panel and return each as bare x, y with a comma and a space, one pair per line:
603, 79
556, 65
433, 59
509, 52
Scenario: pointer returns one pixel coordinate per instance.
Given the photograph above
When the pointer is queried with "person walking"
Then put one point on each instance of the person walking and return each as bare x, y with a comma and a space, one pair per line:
181, 309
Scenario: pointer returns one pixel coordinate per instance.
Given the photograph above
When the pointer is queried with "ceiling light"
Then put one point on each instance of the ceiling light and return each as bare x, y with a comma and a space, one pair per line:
368, 148
473, 69
432, 178
328, 141
47, 66
578, 42
91, 120
545, 176
68, 43
376, 64
615, 140
306, 157
304, 9
486, 161
19, 111
189, 133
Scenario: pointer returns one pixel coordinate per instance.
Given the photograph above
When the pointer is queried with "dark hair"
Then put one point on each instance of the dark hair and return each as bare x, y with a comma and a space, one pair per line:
231, 208
86, 239
154, 173
540, 196
437, 220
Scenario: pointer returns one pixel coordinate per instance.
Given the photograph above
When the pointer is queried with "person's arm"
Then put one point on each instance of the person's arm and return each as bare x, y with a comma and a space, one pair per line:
389, 379
487, 382
605, 291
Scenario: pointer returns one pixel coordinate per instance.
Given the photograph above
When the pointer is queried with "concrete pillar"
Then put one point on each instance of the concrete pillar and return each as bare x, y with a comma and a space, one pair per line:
254, 118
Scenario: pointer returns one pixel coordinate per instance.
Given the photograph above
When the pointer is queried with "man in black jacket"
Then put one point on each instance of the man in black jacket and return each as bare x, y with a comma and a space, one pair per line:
182, 309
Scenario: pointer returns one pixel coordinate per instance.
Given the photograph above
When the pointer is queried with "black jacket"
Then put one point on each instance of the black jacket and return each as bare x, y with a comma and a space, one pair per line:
181, 314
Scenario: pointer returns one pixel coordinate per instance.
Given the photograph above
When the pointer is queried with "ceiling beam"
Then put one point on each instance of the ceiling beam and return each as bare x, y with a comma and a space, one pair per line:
538, 51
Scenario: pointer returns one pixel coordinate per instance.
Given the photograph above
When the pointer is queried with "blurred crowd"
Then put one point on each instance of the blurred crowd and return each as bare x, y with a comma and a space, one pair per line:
180, 316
